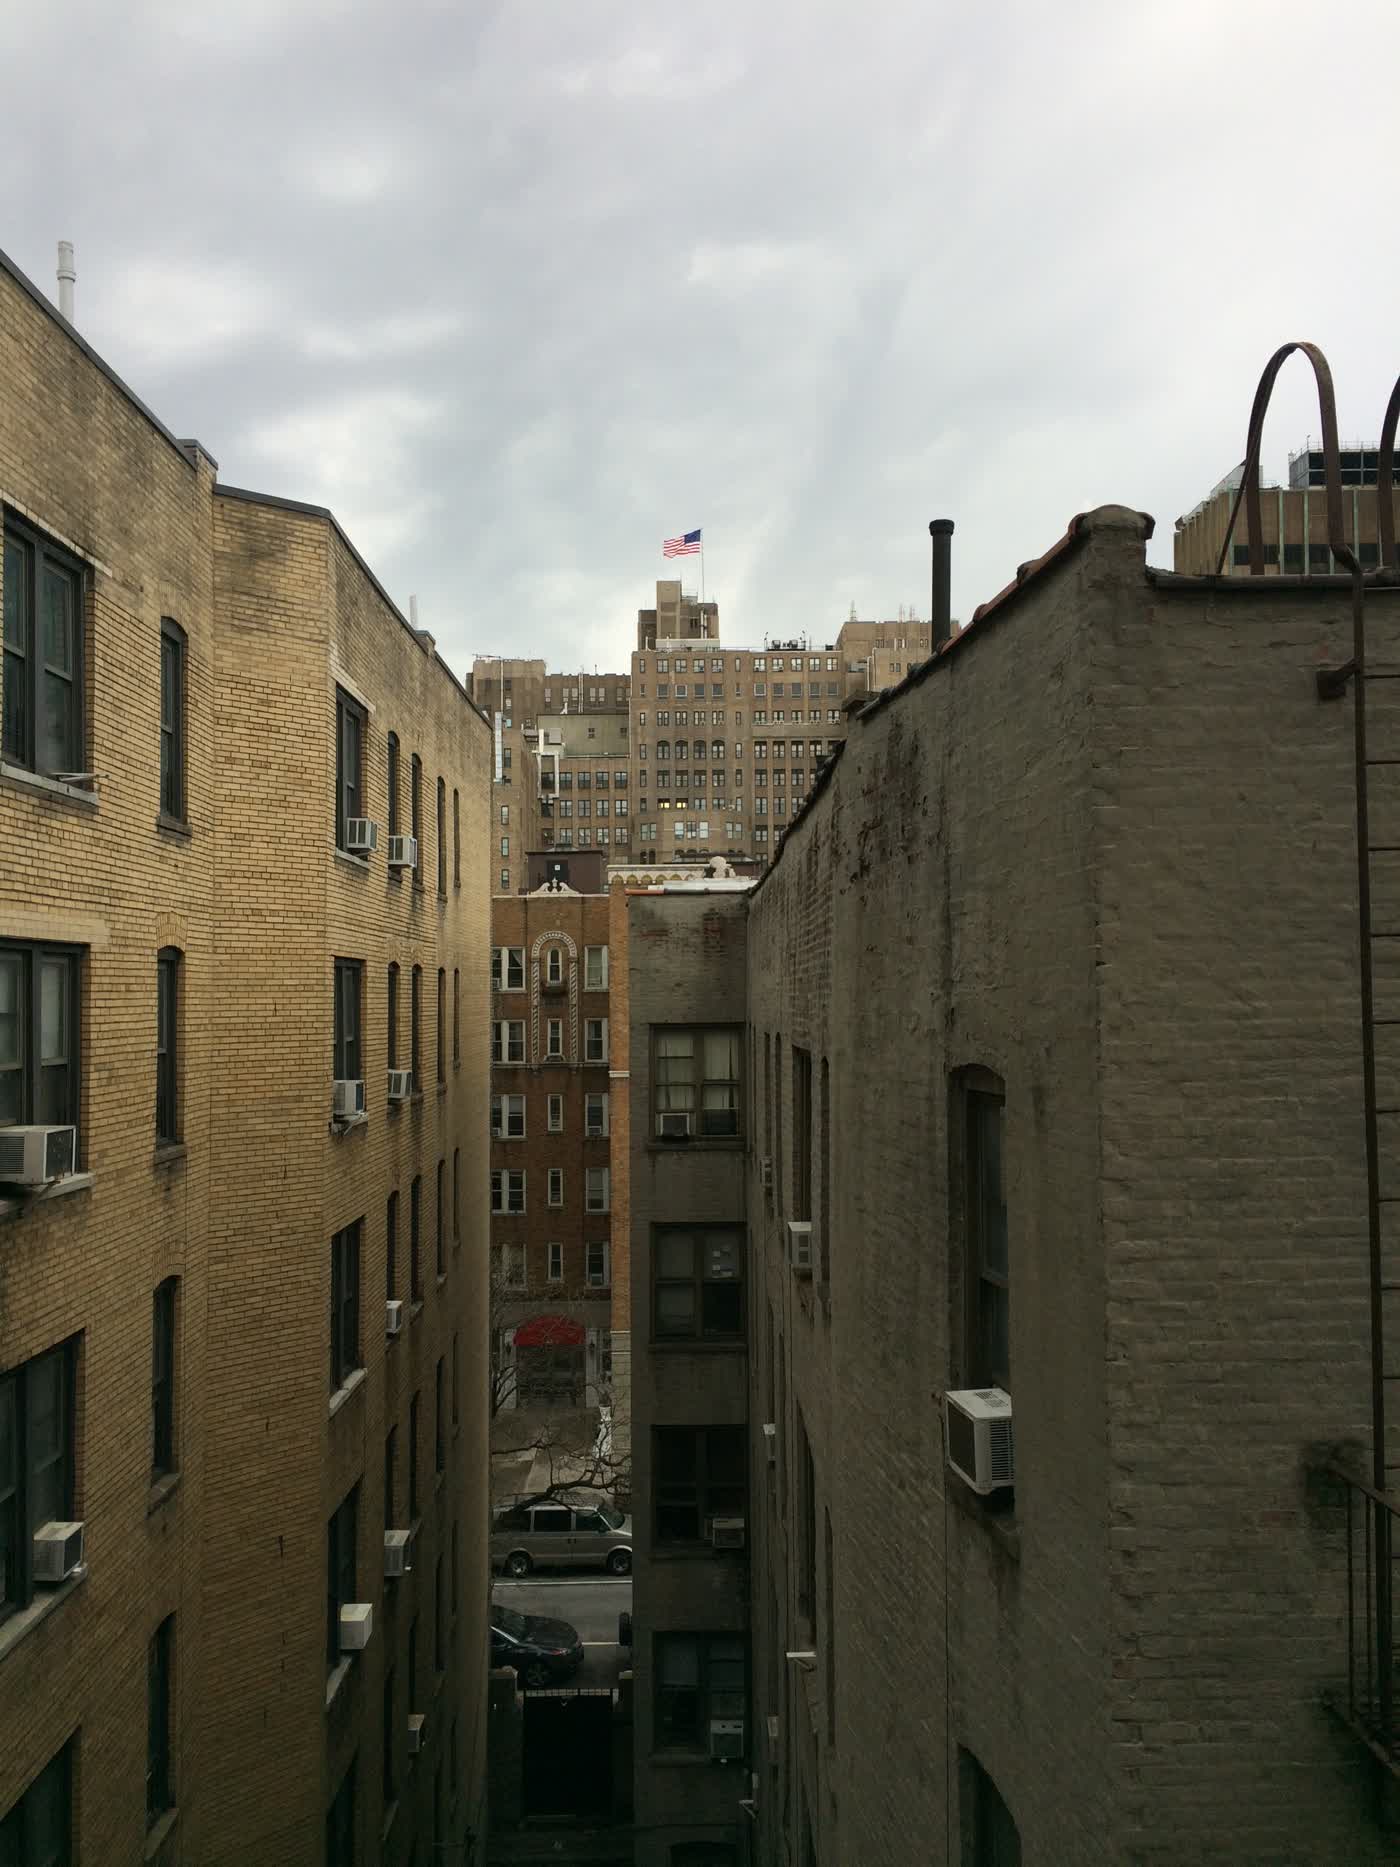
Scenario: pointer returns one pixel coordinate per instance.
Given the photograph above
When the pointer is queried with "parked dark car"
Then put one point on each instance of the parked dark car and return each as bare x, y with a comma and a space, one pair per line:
541, 1651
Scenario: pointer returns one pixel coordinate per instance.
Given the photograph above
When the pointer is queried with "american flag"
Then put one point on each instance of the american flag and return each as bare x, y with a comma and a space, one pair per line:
681, 547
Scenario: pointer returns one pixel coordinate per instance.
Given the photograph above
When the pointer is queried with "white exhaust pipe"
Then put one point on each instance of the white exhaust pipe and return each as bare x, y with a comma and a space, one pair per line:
67, 278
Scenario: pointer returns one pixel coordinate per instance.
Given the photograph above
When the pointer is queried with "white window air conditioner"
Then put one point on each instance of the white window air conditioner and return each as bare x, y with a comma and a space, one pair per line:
37, 1156
727, 1740
58, 1551
400, 1085
356, 1625
398, 1552
673, 1127
393, 1315
727, 1532
403, 852
361, 835
348, 1098
977, 1425
417, 1730
770, 1441
765, 1173
775, 1730
800, 1247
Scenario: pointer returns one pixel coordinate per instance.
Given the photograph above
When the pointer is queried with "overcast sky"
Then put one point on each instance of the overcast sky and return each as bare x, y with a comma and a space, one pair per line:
520, 288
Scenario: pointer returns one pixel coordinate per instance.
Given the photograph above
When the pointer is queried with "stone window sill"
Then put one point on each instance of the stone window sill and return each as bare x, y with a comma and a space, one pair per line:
441, 1279
175, 827
169, 1153
47, 787
415, 1309
162, 1491
159, 1833
388, 1821
355, 1379
336, 1678
698, 1144
686, 1345
346, 1125
360, 864
72, 1183
40, 1608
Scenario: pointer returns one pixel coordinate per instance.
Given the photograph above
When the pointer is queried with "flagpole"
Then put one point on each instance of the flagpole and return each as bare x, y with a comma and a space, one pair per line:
702, 568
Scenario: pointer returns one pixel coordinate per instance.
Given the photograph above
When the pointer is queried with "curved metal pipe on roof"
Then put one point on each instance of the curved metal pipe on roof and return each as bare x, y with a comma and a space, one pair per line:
1385, 477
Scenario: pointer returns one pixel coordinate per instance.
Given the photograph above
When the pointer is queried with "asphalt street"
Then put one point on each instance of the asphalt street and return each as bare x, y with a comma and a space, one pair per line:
589, 1603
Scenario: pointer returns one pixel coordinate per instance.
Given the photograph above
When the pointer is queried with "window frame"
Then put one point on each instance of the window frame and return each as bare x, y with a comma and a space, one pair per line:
349, 786
31, 958
415, 1239
30, 1463
442, 1027
160, 1773
699, 1083
165, 1310
981, 1091
600, 1133
346, 1356
342, 1575
456, 838
674, 1495
600, 1027
168, 1111
43, 554
604, 1280
174, 701
415, 1029
702, 1237
442, 839
441, 1218
502, 1115
55, 1780
503, 1190
554, 1262
712, 1700
416, 807
554, 1186
347, 1044
502, 1042
591, 1177
392, 762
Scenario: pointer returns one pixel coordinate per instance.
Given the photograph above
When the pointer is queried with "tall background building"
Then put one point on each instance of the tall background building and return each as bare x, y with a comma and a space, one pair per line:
1293, 520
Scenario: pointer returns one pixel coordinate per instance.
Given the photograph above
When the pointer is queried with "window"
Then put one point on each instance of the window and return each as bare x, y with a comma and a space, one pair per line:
439, 1659
442, 1217
160, 1782
697, 1074
505, 847
456, 1196
508, 1117
595, 1113
596, 1189
391, 1245
345, 1062
508, 968
345, 1304
987, 1339
391, 1459
989, 1835
555, 1185
556, 1263
508, 1265
36, 1464
697, 1283
413, 1662
38, 1034
505, 881
391, 1017
824, 1168
595, 969
456, 1016
350, 722
414, 1409
439, 1420
554, 1038
554, 1118
507, 1190
415, 801
442, 839
163, 1459
172, 720
595, 1040
340, 1570
38, 1829
442, 1026
393, 758
801, 1133
806, 1525
415, 1239
554, 966
699, 1677
340, 1822
43, 637
508, 1041
167, 1045
699, 1474
387, 1729
456, 839
597, 1265
456, 1386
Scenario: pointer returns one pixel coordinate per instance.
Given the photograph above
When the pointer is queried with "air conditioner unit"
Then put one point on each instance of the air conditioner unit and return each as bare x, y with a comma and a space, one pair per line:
400, 1085
58, 1551
726, 1740
348, 1098
403, 852
673, 1127
37, 1156
774, 1734
770, 1441
800, 1246
727, 1532
356, 1625
393, 1315
765, 1173
417, 1731
398, 1552
361, 835
977, 1426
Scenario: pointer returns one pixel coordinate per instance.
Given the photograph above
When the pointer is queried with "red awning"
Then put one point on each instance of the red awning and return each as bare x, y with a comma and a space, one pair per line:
550, 1332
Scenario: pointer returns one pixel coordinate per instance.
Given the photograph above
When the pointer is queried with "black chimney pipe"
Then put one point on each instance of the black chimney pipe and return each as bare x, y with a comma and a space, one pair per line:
940, 532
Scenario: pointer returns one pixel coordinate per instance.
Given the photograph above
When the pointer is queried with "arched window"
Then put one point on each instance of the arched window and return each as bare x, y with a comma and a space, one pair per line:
393, 784
416, 1030
168, 1045
442, 837
392, 1018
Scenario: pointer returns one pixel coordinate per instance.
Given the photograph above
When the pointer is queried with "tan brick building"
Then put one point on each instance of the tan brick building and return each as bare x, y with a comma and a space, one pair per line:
559, 1161
1293, 521
213, 1356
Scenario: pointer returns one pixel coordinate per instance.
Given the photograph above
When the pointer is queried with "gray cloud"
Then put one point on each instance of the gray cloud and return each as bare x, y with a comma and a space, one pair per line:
520, 289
